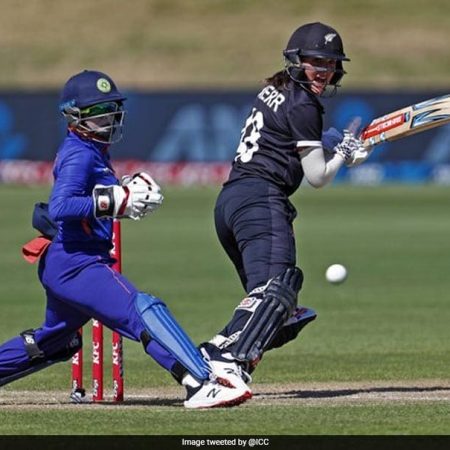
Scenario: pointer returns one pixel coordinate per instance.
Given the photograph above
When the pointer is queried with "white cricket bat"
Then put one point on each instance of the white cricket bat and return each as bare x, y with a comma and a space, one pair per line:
407, 121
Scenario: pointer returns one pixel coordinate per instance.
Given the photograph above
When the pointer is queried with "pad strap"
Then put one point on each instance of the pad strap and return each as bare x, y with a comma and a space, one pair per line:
38, 361
35, 354
278, 302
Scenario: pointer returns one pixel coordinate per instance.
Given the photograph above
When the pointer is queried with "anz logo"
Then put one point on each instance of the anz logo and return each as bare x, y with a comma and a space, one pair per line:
12, 144
197, 132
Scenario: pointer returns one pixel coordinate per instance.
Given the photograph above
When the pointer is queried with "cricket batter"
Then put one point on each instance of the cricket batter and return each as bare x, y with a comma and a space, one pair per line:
75, 266
281, 143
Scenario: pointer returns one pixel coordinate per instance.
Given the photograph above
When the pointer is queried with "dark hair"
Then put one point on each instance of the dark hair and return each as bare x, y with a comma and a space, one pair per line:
278, 80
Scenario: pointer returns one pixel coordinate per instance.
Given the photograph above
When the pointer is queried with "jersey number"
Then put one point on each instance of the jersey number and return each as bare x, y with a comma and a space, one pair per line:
249, 136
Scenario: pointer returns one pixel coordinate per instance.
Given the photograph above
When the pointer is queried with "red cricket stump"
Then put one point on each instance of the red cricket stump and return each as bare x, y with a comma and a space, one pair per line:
117, 346
117, 367
77, 369
97, 345
97, 361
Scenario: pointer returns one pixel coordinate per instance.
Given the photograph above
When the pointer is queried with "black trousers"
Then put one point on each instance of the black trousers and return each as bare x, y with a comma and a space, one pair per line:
253, 219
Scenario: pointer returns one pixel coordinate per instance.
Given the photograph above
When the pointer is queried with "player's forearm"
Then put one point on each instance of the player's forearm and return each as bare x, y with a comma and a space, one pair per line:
70, 208
319, 167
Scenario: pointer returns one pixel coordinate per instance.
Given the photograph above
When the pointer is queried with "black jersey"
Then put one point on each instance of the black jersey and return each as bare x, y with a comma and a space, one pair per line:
280, 124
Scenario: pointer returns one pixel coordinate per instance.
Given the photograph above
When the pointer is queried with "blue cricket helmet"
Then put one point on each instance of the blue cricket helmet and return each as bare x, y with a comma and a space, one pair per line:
88, 88
92, 106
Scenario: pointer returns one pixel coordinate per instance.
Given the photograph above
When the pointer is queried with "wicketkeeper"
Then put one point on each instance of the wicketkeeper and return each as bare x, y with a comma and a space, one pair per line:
75, 265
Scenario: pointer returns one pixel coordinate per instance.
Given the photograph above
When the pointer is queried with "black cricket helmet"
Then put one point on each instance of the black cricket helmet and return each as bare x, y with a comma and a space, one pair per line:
315, 40
93, 106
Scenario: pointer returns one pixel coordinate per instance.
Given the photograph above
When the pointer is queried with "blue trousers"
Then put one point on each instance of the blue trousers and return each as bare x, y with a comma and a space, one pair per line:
80, 284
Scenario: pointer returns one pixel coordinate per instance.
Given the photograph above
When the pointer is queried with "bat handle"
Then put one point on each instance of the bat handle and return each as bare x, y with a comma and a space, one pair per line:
354, 124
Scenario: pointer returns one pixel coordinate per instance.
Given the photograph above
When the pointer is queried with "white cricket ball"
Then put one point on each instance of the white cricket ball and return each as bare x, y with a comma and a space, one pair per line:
336, 273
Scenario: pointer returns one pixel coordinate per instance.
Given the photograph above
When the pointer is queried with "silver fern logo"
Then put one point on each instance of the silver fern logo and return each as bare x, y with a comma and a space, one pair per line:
329, 37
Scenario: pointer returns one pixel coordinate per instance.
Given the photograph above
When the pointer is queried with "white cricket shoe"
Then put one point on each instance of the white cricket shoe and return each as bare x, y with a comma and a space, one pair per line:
230, 373
211, 394
225, 367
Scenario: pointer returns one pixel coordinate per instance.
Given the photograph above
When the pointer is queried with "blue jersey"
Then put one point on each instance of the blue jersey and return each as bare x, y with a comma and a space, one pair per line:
79, 166
280, 124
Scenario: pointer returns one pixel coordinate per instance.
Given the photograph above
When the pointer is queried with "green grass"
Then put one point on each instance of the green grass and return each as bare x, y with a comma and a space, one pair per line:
218, 43
357, 420
388, 322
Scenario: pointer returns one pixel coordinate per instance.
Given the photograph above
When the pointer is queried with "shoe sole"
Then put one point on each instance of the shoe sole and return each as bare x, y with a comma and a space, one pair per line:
225, 404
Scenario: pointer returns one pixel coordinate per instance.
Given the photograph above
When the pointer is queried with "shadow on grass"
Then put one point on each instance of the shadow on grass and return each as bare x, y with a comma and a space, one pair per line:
48, 399
333, 393
164, 402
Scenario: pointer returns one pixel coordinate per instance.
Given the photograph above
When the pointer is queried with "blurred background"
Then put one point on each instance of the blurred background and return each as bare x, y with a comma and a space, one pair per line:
191, 69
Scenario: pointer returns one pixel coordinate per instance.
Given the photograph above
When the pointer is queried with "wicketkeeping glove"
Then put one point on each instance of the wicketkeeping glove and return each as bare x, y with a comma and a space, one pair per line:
144, 179
137, 196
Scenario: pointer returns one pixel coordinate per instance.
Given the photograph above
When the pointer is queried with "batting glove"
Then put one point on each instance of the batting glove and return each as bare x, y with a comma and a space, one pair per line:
351, 149
331, 138
359, 156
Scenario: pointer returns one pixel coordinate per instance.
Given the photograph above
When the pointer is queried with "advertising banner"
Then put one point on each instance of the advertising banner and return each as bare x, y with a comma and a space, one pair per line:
190, 129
